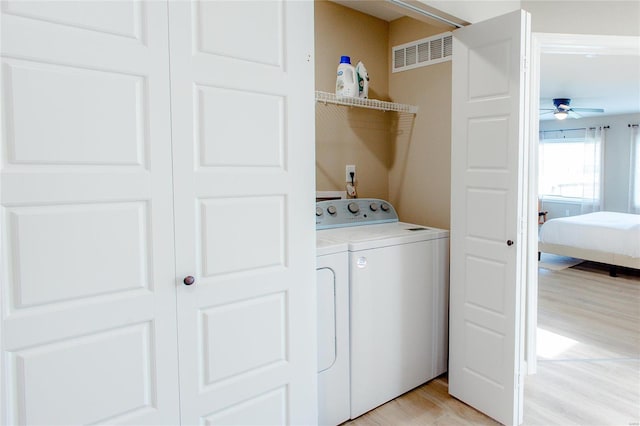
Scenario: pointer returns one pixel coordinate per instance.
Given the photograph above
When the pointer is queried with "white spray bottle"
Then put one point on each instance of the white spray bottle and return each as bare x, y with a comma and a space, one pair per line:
363, 81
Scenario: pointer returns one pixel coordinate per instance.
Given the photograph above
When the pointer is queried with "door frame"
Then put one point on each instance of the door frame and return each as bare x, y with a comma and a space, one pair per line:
567, 44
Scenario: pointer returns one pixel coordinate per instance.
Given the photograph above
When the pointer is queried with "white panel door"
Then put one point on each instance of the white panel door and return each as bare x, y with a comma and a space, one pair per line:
243, 132
87, 285
487, 174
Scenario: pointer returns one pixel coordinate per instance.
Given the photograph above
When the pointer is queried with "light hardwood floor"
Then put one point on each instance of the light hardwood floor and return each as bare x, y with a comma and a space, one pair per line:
588, 375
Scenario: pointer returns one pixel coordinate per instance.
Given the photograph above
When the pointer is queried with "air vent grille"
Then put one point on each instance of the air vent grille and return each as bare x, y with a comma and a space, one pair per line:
420, 53
411, 55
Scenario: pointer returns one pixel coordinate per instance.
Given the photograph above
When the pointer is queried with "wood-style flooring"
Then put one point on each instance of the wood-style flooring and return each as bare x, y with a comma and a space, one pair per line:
588, 364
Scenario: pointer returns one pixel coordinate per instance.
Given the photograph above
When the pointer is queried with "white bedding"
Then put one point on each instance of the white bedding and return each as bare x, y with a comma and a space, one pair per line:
609, 232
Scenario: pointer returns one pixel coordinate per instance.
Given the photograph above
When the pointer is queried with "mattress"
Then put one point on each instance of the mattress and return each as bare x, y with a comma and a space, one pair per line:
609, 232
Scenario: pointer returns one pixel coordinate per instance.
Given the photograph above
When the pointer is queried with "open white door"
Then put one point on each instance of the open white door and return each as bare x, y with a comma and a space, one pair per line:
488, 179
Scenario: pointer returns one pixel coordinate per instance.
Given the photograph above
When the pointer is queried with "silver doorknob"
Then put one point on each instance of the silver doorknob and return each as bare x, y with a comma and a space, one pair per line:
189, 280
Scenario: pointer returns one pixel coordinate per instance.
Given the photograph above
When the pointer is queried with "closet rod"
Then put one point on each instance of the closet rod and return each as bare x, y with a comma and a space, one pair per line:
425, 13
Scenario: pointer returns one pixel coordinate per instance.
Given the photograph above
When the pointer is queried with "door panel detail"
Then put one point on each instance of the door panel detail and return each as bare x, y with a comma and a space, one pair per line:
243, 234
52, 263
222, 29
72, 127
116, 18
59, 372
482, 362
228, 138
488, 59
488, 143
482, 293
268, 409
242, 337
486, 213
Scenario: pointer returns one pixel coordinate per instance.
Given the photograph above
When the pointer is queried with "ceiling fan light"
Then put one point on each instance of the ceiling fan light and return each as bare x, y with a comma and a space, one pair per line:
561, 115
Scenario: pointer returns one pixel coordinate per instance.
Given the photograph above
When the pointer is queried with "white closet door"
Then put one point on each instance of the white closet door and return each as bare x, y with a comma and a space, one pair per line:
243, 143
87, 261
488, 176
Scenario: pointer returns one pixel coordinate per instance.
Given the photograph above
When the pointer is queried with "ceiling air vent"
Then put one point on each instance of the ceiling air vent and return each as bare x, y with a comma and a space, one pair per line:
420, 53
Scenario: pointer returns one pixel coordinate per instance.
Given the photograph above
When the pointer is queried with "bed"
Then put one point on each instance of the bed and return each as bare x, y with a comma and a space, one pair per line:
607, 237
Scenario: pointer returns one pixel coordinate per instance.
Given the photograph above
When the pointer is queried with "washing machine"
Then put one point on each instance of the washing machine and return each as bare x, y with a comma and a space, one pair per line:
398, 299
332, 283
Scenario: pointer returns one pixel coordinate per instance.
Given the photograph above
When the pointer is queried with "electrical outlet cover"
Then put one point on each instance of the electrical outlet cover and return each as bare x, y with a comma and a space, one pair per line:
348, 169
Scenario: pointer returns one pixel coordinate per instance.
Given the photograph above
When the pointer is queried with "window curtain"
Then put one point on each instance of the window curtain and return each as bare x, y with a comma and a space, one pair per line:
594, 153
634, 173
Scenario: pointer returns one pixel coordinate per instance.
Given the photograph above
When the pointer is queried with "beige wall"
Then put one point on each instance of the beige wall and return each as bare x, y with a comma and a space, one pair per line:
585, 17
351, 135
398, 157
419, 178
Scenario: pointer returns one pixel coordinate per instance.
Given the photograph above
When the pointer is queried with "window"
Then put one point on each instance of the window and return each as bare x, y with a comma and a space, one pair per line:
570, 166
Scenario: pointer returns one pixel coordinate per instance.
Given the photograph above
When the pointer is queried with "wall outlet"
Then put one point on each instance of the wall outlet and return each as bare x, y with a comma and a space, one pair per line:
350, 168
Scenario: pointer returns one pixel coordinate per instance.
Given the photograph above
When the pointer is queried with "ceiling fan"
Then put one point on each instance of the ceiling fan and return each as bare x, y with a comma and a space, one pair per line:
563, 108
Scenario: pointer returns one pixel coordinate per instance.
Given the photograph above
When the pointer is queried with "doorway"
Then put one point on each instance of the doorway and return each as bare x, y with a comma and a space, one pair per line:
555, 44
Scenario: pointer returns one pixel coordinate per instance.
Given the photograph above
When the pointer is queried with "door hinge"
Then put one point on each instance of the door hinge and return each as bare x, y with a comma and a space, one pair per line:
520, 380
525, 64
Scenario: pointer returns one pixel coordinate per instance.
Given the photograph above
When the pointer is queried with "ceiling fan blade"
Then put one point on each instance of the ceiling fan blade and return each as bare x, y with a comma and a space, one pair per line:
547, 109
573, 114
545, 113
588, 109
564, 107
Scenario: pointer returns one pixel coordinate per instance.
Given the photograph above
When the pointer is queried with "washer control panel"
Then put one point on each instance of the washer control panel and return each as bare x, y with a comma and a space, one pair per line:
353, 212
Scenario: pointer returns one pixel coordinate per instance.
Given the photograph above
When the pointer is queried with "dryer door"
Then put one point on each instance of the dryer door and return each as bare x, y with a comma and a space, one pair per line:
326, 282
332, 281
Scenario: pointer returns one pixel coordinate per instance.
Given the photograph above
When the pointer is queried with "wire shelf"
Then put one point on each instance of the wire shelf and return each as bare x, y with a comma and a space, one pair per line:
331, 98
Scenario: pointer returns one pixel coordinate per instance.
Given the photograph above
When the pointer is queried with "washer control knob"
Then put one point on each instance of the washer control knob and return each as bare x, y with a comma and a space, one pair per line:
373, 207
384, 207
353, 208
318, 211
332, 210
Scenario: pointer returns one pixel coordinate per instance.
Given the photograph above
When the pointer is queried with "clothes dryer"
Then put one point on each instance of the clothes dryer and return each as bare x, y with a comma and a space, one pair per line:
332, 281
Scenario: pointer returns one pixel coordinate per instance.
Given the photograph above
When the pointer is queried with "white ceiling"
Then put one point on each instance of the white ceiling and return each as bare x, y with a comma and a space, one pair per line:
462, 11
378, 8
611, 82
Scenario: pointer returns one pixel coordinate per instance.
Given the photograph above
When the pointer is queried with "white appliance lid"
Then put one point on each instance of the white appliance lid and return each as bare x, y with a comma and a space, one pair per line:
327, 245
382, 235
